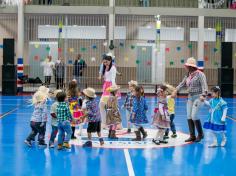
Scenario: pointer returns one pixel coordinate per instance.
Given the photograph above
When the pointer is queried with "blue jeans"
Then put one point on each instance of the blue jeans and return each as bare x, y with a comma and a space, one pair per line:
172, 125
65, 131
53, 134
193, 105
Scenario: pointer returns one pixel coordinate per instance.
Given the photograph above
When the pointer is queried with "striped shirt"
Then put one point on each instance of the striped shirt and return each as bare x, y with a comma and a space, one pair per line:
196, 83
63, 112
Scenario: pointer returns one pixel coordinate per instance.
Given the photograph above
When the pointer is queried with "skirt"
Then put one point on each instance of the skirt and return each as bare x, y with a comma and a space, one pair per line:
113, 117
214, 127
106, 85
160, 121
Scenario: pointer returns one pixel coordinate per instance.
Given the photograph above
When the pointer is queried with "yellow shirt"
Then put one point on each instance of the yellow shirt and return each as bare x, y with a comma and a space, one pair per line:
171, 105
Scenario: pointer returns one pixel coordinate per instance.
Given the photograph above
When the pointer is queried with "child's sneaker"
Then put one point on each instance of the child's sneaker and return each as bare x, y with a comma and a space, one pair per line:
174, 135
66, 145
42, 144
73, 137
156, 142
51, 145
129, 130
101, 141
28, 143
223, 143
87, 144
163, 141
165, 137
59, 147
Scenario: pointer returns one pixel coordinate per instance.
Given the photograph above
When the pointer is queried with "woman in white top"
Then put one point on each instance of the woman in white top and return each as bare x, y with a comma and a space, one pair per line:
48, 66
109, 74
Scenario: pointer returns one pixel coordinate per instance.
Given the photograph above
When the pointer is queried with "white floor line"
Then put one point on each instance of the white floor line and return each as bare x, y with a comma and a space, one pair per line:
129, 163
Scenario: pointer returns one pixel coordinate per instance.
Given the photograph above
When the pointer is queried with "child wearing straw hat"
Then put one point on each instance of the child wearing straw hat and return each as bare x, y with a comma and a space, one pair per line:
38, 119
54, 122
129, 103
92, 114
113, 117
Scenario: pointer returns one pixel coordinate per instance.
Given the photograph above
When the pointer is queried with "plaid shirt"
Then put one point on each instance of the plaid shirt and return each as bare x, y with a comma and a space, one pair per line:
63, 112
129, 101
197, 84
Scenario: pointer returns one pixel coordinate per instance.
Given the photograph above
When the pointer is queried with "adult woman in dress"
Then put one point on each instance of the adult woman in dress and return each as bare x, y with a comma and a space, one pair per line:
196, 84
109, 74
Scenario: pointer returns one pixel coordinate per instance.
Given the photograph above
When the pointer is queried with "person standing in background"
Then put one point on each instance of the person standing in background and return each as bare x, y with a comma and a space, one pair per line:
78, 68
59, 73
48, 66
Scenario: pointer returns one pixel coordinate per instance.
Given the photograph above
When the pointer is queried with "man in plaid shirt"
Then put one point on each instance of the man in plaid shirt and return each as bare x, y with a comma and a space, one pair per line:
63, 117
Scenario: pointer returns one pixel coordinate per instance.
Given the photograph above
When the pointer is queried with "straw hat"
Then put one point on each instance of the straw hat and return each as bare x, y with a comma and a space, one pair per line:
191, 62
90, 92
113, 88
56, 92
43, 89
133, 83
39, 97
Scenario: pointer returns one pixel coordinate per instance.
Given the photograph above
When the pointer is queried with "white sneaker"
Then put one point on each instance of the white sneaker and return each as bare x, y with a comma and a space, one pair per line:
51, 146
214, 144
223, 142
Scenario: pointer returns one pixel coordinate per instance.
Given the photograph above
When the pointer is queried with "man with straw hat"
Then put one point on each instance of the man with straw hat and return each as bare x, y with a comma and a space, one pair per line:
196, 84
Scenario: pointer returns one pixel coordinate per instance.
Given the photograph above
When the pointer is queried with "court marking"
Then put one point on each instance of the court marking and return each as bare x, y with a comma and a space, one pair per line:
129, 163
9, 112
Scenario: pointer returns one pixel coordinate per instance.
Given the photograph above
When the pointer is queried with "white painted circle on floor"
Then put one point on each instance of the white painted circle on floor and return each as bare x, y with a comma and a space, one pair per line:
125, 140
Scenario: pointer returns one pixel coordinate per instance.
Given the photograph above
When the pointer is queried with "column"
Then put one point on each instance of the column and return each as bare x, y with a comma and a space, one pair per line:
200, 46
20, 45
111, 25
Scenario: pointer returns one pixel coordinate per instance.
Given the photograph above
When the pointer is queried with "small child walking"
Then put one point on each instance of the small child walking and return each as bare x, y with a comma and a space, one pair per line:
216, 121
128, 105
138, 115
92, 114
113, 117
75, 104
63, 118
54, 122
161, 118
171, 110
38, 119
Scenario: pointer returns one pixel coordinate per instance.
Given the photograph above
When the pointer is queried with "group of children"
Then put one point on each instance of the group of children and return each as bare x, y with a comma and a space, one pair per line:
74, 108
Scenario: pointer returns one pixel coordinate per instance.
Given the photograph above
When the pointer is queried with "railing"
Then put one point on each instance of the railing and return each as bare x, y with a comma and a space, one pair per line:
73, 2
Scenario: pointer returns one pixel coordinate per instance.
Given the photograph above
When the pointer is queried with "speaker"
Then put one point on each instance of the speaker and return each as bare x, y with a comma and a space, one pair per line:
226, 54
227, 90
8, 51
225, 76
9, 80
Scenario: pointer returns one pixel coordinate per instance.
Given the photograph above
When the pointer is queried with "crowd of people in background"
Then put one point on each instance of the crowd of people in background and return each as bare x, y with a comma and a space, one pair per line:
74, 107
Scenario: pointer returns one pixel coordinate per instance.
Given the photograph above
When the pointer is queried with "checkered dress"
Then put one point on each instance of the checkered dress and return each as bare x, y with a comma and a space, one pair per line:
63, 112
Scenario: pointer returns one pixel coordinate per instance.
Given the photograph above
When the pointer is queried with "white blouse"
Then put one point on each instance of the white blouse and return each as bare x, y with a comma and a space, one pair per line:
110, 76
47, 68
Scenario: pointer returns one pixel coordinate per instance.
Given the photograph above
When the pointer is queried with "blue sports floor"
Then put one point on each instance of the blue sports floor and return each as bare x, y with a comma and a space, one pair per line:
192, 159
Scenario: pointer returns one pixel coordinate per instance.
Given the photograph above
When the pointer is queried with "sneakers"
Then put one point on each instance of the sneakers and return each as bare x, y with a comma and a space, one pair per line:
28, 143
51, 145
42, 144
163, 141
87, 144
59, 147
166, 137
73, 137
156, 142
223, 143
129, 130
66, 145
101, 141
174, 135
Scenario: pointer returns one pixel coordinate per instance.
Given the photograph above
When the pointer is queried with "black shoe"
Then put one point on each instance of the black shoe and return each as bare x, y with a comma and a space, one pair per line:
156, 142
87, 144
42, 144
174, 135
73, 137
191, 127
28, 143
166, 137
199, 130
144, 133
129, 130
101, 141
138, 136
191, 139
163, 141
